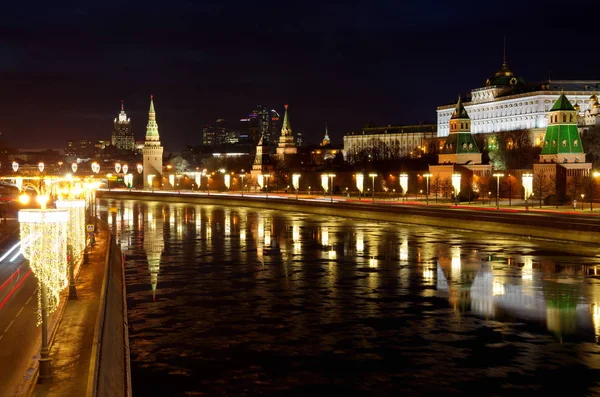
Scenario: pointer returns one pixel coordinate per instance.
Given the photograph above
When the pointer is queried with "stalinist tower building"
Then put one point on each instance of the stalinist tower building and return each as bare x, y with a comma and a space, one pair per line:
152, 151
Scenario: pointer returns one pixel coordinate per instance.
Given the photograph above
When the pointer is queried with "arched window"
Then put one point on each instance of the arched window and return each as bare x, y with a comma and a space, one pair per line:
564, 118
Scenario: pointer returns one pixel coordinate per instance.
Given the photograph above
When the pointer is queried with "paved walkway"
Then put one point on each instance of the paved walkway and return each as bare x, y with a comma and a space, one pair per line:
72, 346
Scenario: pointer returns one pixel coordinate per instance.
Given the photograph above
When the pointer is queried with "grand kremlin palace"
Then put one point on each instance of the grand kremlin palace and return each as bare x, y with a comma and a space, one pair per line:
508, 103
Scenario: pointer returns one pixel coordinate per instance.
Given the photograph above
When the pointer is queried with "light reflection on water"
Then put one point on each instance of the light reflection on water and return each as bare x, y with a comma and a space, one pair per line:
241, 301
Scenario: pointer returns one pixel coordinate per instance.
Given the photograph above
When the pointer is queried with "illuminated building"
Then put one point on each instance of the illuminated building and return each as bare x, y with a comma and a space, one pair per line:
391, 142
152, 151
262, 161
286, 145
263, 123
326, 141
507, 103
562, 155
122, 135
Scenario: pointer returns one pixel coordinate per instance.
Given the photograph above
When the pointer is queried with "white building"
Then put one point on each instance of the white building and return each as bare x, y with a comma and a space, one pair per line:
152, 151
391, 141
507, 103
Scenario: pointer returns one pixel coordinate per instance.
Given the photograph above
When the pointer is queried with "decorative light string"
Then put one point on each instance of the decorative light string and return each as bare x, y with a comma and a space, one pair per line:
46, 232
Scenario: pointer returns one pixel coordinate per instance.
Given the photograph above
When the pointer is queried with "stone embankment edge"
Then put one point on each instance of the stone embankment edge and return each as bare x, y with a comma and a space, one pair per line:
428, 216
95, 355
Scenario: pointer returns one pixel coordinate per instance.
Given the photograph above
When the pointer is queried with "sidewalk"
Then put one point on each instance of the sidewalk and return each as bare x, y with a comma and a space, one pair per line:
71, 349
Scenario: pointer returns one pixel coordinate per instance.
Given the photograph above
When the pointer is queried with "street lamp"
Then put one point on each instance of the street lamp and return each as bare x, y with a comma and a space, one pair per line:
404, 184
373, 175
427, 176
296, 183
46, 234
242, 176
76, 241
15, 166
528, 186
41, 167
582, 196
456, 185
108, 176
360, 180
497, 175
74, 167
331, 176
266, 176
117, 168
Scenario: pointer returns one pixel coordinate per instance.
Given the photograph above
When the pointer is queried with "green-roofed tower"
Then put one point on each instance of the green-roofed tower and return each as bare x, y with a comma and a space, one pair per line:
152, 151
460, 146
562, 143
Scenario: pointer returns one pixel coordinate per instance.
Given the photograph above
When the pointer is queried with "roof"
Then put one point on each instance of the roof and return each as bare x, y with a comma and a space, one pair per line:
562, 103
460, 112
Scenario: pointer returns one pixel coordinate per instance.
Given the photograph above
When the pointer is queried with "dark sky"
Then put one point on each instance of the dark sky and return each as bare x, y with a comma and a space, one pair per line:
66, 65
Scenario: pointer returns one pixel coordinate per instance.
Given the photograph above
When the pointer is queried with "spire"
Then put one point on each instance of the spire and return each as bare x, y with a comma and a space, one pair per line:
151, 104
122, 106
460, 112
286, 122
504, 55
326, 133
562, 103
152, 127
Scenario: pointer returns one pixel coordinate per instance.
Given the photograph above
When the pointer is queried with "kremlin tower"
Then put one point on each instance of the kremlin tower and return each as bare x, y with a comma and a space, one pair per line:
152, 151
286, 145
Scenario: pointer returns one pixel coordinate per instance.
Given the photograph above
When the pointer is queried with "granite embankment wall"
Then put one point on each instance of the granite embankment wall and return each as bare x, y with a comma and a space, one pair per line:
110, 370
549, 225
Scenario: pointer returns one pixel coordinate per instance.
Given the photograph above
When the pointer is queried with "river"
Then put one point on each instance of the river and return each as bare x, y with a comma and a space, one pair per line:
237, 301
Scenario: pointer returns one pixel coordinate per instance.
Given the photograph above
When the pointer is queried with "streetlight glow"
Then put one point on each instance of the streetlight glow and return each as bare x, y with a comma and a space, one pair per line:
497, 175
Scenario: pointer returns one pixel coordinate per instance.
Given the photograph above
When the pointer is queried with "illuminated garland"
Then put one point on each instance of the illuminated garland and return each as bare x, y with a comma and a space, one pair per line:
44, 233
76, 227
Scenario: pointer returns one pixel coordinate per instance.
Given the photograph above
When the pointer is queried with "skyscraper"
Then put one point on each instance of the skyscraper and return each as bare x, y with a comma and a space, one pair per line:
262, 123
122, 135
152, 151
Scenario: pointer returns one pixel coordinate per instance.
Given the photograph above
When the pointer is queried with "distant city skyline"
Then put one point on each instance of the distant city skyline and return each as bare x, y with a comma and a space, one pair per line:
64, 73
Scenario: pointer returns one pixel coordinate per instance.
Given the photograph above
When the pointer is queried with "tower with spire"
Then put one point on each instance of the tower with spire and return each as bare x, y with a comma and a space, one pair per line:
287, 145
460, 146
152, 151
562, 143
326, 141
262, 161
122, 135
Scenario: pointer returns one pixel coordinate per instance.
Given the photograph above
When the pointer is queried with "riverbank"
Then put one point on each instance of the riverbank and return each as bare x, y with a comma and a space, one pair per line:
548, 223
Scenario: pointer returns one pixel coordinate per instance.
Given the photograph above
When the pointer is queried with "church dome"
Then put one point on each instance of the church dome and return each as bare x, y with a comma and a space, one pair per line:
577, 107
593, 98
596, 105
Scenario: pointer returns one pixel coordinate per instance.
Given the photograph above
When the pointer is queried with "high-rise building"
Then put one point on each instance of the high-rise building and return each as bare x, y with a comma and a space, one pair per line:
262, 123
152, 151
122, 135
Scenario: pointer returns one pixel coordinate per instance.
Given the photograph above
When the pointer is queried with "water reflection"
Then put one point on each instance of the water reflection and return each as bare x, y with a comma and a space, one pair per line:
237, 290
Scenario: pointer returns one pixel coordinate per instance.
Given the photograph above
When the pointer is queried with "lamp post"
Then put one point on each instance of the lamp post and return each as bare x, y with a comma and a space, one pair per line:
140, 169
456, 185
528, 186
266, 176
76, 241
331, 176
373, 175
108, 176
582, 196
296, 183
42, 229
242, 176
427, 176
404, 184
360, 180
497, 175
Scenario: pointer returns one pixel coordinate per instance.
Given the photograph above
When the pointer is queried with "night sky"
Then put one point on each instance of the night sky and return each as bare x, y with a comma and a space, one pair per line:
66, 67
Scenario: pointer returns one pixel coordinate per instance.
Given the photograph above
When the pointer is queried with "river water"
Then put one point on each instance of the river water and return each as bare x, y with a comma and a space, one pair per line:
237, 301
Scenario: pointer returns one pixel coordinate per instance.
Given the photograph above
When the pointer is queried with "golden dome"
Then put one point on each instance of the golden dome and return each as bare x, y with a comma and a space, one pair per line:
596, 105
577, 107
593, 97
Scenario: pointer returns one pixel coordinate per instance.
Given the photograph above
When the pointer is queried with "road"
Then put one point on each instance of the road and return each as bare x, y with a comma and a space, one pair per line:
20, 338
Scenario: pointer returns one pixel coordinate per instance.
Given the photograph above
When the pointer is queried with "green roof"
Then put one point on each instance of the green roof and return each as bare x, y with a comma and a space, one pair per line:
459, 112
562, 139
460, 143
562, 103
